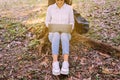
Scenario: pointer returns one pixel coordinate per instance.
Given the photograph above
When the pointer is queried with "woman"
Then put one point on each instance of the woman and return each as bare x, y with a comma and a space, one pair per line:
60, 13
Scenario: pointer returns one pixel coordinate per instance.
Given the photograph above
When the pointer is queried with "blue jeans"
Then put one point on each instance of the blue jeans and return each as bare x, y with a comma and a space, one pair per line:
55, 39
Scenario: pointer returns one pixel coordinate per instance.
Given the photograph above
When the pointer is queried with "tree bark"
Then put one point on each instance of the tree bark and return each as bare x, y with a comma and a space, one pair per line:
42, 43
102, 47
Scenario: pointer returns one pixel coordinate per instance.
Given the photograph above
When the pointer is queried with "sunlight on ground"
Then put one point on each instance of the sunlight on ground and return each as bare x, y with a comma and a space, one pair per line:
27, 11
34, 21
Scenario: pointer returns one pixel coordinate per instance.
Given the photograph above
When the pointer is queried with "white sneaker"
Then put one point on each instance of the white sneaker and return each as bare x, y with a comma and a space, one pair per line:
55, 68
65, 68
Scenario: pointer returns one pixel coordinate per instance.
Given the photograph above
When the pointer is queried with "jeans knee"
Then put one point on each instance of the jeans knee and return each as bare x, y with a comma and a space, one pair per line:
56, 35
64, 36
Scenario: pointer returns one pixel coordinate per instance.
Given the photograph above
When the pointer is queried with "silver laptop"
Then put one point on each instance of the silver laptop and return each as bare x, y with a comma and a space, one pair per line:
66, 28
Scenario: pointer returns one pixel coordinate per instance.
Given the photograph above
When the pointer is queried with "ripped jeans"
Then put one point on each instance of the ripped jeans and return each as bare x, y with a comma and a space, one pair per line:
55, 39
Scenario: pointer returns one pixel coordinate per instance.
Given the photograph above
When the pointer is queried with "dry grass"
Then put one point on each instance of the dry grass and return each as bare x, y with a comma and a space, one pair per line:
8, 4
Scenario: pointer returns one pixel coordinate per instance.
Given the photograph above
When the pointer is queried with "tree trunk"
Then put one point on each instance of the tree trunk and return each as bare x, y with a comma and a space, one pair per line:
102, 47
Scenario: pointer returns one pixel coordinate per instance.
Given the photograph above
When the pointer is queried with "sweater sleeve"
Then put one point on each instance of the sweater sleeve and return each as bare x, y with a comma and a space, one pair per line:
72, 18
48, 16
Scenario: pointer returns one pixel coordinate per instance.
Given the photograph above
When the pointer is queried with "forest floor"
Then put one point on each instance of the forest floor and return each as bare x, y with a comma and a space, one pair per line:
20, 32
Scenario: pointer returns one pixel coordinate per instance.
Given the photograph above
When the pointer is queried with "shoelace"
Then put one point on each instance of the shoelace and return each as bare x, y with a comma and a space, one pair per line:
55, 66
65, 65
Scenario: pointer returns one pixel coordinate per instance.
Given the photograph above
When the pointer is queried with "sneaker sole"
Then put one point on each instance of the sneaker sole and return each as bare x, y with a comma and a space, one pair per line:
64, 72
56, 73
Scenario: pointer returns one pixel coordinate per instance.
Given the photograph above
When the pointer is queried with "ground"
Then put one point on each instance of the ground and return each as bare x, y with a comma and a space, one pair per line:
21, 28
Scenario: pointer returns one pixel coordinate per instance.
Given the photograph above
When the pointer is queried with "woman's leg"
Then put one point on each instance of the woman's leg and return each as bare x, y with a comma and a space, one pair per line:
55, 40
65, 56
65, 37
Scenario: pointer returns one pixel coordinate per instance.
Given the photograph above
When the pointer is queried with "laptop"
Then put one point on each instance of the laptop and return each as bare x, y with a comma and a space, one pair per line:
62, 28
